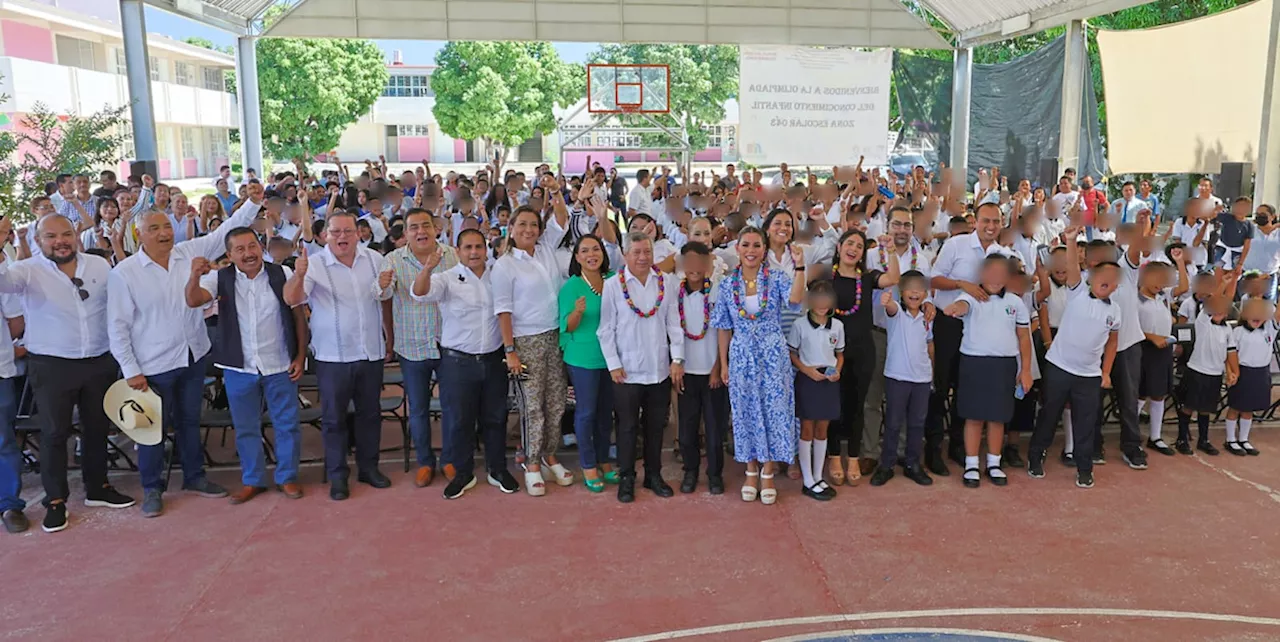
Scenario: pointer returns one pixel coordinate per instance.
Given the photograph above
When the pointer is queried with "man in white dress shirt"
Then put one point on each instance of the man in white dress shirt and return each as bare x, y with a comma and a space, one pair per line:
473, 371
641, 199
346, 287
64, 300
161, 343
261, 346
643, 347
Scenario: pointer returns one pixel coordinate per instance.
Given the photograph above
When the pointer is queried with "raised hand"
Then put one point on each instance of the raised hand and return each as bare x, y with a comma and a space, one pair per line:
797, 256
300, 264
886, 297
200, 266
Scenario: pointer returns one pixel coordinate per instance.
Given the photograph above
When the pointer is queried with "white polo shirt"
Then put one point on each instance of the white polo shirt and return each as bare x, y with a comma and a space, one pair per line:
700, 354
875, 261
1055, 304
1126, 296
817, 344
1154, 316
466, 309
525, 286
907, 348
1187, 235
1254, 346
1087, 324
961, 259
1213, 342
991, 326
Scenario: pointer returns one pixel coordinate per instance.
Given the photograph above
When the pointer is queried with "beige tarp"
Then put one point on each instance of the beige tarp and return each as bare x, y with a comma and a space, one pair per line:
1186, 97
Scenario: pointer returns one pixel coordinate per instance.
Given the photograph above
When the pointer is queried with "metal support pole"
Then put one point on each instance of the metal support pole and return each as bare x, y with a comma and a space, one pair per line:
133, 28
250, 114
961, 95
1267, 174
1072, 97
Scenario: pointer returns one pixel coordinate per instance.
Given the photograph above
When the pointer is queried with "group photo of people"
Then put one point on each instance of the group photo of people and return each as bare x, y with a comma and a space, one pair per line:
833, 326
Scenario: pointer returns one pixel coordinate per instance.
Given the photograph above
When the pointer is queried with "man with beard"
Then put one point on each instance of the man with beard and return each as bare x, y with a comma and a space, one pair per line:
262, 343
345, 287
161, 343
64, 298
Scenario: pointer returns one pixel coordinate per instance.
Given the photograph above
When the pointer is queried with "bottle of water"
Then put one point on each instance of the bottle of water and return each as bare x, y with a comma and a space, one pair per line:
1018, 392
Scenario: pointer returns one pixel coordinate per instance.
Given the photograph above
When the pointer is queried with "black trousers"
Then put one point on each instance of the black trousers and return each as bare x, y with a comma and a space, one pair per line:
59, 385
700, 400
947, 333
342, 385
1126, 374
629, 400
1058, 387
855, 380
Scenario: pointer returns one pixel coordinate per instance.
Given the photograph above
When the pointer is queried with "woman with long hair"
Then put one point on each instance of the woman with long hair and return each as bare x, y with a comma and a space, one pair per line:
748, 315
780, 231
497, 196
854, 287
106, 219
525, 283
579, 303
210, 208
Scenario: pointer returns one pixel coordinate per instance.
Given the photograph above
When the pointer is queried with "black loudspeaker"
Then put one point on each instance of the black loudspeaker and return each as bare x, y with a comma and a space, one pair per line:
138, 168
1048, 176
1235, 180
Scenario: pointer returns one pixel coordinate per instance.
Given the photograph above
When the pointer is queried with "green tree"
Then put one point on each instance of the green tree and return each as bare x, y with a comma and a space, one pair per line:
311, 90
502, 92
703, 77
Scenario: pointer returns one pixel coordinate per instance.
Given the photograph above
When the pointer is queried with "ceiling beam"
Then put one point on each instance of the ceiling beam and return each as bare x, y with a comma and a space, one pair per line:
204, 14
1054, 15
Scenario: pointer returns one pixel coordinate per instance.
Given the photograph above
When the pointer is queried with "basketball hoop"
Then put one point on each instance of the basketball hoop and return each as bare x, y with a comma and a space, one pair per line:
628, 89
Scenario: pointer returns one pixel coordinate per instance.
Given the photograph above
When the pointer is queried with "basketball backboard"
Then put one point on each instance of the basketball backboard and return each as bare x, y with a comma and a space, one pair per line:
617, 89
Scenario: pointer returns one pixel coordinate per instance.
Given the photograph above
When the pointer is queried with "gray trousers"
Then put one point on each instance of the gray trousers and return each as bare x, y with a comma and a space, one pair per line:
872, 417
1126, 371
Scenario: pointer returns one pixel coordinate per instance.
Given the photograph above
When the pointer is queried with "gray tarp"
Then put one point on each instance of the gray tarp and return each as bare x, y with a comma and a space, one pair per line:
1014, 114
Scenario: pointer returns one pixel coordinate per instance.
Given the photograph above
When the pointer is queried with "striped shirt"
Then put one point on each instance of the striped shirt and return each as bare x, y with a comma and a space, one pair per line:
417, 324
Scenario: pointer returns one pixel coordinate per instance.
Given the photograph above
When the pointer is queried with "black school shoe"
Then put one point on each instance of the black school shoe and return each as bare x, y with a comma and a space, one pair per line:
934, 462
627, 489
918, 476
972, 482
659, 487
1035, 465
818, 492
1249, 449
1067, 459
1012, 457
998, 480
715, 485
881, 476
1206, 447
1159, 446
1234, 448
1183, 447
690, 482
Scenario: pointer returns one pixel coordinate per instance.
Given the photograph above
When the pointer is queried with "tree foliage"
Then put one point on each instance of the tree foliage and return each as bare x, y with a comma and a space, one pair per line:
703, 77
503, 92
311, 90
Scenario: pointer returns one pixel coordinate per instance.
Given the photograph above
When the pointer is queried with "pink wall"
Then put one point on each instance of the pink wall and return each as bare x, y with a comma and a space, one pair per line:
165, 171
190, 167
219, 162
459, 151
22, 40
576, 162
414, 148
122, 172
709, 155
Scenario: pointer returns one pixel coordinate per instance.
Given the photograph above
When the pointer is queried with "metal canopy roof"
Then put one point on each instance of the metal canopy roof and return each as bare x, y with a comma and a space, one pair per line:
978, 22
866, 23
231, 15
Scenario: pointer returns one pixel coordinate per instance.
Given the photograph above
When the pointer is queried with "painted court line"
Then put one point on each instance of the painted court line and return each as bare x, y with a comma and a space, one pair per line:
910, 615
1271, 492
1011, 637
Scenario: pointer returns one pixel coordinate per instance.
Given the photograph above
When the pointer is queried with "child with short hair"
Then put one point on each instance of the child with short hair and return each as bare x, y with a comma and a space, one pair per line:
817, 352
1156, 321
1255, 338
908, 378
1201, 385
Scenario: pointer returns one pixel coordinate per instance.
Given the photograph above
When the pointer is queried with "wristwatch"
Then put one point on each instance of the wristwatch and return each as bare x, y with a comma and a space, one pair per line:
509, 349
677, 362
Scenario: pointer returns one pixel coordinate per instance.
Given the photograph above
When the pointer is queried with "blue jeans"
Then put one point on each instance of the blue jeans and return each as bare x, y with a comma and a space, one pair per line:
592, 414
10, 453
474, 389
180, 393
245, 393
417, 389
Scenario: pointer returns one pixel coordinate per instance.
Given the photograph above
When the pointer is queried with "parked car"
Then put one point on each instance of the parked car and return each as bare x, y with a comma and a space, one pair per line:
902, 164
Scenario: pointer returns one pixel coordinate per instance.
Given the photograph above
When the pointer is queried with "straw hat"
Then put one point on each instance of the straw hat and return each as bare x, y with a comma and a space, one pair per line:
137, 413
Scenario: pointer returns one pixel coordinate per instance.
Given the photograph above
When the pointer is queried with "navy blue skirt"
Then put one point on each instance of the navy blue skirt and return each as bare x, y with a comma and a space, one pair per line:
985, 391
817, 400
1157, 371
1252, 392
1200, 392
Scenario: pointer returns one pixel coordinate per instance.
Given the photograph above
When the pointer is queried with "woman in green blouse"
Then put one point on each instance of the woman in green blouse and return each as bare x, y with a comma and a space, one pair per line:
592, 387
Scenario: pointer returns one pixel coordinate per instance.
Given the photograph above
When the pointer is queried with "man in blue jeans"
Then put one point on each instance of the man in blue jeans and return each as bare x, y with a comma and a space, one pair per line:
11, 503
413, 334
261, 345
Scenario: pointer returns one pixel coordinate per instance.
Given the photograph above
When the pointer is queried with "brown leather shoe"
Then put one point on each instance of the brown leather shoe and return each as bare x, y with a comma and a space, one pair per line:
292, 490
449, 472
866, 466
246, 493
424, 476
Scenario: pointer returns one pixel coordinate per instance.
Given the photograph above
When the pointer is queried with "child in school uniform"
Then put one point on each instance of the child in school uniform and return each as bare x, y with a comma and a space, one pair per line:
1201, 385
1052, 298
1024, 409
1078, 367
1155, 317
705, 396
908, 378
995, 358
1255, 338
817, 352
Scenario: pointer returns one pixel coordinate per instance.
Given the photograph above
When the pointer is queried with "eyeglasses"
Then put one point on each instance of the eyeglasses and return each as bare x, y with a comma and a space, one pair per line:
902, 224
79, 283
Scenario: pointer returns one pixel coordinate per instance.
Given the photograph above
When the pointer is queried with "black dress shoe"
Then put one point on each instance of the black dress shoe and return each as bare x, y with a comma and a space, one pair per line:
998, 480
659, 487
1183, 448
1012, 457
936, 465
715, 485
338, 490
918, 476
882, 475
1205, 447
956, 454
15, 521
374, 478
627, 489
690, 482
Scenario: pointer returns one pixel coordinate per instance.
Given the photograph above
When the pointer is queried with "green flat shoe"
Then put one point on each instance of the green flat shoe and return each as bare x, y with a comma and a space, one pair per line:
612, 477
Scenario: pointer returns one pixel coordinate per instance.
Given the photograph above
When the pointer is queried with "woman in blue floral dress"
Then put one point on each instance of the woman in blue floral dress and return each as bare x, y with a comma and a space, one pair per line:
748, 314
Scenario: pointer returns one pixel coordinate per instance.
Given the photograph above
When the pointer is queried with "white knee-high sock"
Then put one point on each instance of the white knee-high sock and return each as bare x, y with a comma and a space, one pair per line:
1157, 418
819, 458
1141, 403
1070, 434
1245, 425
806, 461
1231, 430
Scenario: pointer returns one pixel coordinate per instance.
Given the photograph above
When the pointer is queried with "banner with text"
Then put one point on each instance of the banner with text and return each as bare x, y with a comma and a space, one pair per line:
808, 106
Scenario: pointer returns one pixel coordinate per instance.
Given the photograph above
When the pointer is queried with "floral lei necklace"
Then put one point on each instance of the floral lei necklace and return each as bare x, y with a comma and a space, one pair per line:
662, 292
884, 261
857, 293
706, 310
763, 292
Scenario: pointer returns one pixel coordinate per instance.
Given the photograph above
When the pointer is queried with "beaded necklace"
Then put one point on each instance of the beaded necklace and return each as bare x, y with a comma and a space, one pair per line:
763, 291
857, 293
884, 260
662, 291
706, 310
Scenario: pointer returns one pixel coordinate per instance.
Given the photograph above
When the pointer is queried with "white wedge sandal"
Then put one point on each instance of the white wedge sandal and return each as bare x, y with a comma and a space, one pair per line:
767, 495
559, 474
749, 492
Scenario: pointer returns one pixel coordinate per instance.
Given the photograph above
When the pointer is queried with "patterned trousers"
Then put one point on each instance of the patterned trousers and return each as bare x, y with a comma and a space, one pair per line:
545, 392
